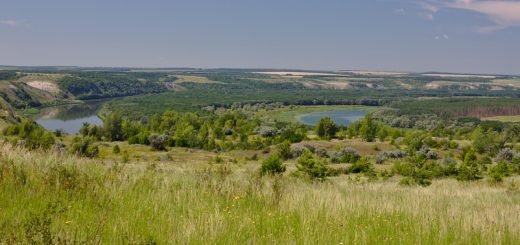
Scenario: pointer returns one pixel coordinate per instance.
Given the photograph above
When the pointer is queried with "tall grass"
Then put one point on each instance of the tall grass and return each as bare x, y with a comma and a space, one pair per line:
63, 199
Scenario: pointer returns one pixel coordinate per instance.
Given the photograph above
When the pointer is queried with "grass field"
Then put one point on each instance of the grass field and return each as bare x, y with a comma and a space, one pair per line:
64, 199
291, 114
503, 118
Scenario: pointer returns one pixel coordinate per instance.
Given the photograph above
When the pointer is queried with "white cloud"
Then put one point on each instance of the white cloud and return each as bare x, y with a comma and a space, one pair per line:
442, 37
10, 22
399, 11
503, 13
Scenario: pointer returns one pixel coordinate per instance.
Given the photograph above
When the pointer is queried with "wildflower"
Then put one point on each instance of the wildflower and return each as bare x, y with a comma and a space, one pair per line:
68, 222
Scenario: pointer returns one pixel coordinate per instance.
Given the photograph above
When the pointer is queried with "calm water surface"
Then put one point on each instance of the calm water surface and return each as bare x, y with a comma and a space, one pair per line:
69, 118
340, 117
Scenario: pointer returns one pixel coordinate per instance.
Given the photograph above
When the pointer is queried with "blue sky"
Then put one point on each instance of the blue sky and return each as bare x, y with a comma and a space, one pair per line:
475, 36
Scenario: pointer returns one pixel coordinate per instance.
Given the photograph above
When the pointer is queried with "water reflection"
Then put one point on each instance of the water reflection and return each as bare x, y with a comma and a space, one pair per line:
340, 117
69, 118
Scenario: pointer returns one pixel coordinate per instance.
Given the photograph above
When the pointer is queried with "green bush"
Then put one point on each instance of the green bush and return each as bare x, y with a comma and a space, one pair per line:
84, 146
312, 165
469, 170
273, 165
499, 171
361, 166
284, 150
116, 149
30, 135
346, 155
158, 142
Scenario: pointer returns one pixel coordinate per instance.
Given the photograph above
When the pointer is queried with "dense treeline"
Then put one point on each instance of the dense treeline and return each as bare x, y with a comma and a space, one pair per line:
227, 131
461, 107
105, 85
197, 99
7, 75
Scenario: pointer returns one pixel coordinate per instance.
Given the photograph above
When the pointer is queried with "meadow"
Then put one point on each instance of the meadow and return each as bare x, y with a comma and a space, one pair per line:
64, 199
503, 118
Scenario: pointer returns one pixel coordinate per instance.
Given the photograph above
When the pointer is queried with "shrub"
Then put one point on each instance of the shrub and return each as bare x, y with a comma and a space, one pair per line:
273, 165
266, 131
427, 153
284, 150
416, 180
396, 154
158, 142
449, 166
499, 171
30, 135
116, 149
380, 158
322, 152
312, 165
297, 150
84, 146
505, 154
345, 155
361, 166
416, 172
468, 173
469, 170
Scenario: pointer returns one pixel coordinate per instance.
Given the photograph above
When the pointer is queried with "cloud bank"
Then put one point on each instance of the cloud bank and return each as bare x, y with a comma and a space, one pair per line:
502, 13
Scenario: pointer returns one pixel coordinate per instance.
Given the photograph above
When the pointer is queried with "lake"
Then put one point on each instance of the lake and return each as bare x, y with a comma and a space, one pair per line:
69, 118
340, 117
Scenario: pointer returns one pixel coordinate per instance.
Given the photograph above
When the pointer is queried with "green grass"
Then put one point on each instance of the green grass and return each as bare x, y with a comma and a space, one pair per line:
71, 200
503, 118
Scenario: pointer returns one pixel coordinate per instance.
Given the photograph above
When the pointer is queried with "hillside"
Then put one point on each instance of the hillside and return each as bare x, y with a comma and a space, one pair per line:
7, 115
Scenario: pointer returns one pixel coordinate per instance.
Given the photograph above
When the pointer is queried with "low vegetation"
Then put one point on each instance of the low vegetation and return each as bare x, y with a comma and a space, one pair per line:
63, 199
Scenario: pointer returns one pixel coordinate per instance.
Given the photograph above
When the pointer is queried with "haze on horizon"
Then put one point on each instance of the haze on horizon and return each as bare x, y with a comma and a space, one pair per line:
471, 36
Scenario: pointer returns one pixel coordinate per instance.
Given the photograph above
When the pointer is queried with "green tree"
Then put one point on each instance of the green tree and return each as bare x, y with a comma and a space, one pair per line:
112, 126
368, 129
326, 128
469, 170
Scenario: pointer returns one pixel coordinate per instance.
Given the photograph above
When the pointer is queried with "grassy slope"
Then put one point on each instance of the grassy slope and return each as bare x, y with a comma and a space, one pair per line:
503, 118
79, 200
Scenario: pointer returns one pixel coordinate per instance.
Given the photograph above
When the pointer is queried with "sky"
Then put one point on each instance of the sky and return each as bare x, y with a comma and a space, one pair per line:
469, 36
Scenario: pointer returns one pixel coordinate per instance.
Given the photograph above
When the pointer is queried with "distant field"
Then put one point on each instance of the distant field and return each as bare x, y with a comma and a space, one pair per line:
458, 75
376, 73
508, 82
193, 79
292, 73
503, 118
